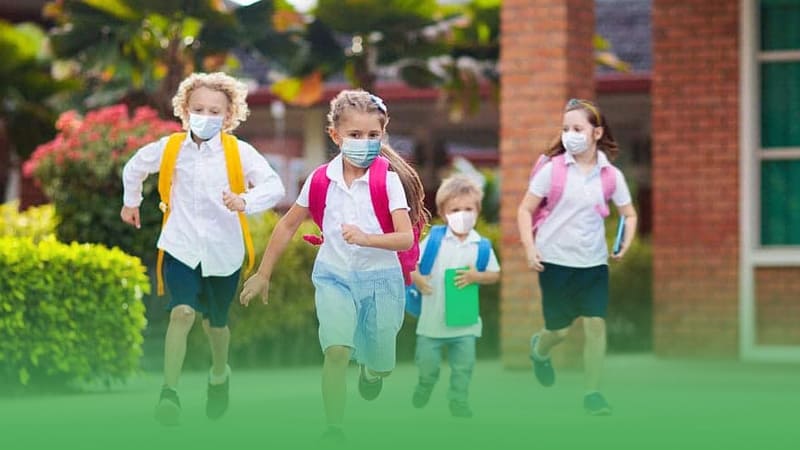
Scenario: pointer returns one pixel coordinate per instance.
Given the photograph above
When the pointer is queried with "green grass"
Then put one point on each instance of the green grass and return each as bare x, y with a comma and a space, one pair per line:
658, 404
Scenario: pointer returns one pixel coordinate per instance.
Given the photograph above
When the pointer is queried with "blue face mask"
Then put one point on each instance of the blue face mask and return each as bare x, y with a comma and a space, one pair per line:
361, 152
204, 127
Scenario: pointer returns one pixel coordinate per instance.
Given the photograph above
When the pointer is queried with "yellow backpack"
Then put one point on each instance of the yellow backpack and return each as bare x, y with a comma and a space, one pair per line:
235, 177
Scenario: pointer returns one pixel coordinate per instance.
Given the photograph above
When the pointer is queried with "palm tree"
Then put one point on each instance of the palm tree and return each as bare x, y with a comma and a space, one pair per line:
138, 51
28, 95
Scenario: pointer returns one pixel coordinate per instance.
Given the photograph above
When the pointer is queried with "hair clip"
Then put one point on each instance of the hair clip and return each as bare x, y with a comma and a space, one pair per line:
378, 102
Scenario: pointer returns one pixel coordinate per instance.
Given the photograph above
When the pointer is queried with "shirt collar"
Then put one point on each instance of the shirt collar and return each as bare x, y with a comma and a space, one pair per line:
602, 159
215, 143
335, 171
473, 236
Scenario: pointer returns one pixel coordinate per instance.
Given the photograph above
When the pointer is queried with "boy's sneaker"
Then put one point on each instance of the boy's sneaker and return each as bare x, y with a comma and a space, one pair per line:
460, 409
218, 398
168, 410
369, 390
334, 437
596, 405
542, 368
421, 396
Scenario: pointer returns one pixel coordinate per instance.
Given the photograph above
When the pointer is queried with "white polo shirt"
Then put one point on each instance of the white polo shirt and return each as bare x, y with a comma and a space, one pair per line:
200, 229
573, 234
353, 205
452, 253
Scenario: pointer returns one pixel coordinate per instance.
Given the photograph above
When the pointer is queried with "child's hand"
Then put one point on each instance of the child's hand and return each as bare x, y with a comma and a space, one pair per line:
534, 259
622, 250
254, 286
423, 285
130, 215
465, 277
232, 201
353, 235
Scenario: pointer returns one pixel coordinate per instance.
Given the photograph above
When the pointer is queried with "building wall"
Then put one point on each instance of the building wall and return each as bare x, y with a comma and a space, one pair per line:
695, 95
546, 58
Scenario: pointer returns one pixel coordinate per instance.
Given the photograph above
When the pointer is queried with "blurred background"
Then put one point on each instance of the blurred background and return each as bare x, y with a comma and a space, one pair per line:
703, 98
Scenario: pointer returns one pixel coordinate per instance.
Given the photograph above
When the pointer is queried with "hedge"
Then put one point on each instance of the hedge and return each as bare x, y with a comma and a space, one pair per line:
68, 313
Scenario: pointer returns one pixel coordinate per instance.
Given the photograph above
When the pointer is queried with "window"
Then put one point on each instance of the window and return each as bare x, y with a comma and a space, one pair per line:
779, 153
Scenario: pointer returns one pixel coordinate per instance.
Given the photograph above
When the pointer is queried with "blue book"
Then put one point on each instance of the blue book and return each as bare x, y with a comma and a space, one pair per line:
620, 234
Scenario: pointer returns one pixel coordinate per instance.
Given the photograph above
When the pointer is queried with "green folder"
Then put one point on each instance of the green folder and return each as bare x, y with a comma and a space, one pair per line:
460, 304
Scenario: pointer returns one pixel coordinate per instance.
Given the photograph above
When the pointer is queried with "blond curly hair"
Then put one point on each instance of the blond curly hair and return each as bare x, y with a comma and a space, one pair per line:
234, 90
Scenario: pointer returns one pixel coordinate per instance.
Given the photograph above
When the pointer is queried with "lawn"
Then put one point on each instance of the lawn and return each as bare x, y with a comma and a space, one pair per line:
658, 404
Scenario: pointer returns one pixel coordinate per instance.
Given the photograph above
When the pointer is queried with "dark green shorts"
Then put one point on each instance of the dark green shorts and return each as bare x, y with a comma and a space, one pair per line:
572, 292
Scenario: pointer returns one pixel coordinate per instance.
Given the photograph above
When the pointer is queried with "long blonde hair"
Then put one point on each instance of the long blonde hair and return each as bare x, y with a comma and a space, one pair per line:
362, 101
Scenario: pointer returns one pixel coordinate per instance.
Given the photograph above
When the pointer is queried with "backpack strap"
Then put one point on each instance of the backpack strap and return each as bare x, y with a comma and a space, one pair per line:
233, 164
317, 200
379, 194
235, 172
608, 180
558, 179
484, 251
435, 237
169, 159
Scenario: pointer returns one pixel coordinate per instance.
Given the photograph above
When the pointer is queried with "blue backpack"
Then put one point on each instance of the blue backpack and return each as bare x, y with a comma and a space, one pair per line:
413, 295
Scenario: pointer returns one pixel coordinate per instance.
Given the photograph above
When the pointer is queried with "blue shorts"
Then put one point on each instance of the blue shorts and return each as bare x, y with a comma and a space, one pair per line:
211, 296
362, 310
572, 292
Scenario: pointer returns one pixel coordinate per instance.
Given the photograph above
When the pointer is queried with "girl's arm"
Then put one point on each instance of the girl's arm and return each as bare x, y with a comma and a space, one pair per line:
401, 239
258, 283
631, 222
525, 224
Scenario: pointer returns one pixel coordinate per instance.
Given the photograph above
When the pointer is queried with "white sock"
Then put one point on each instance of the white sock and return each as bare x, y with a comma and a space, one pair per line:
369, 376
536, 353
219, 379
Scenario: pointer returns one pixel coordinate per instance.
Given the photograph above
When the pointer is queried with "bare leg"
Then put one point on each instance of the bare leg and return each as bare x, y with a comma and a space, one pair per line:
549, 339
594, 351
181, 320
334, 384
219, 339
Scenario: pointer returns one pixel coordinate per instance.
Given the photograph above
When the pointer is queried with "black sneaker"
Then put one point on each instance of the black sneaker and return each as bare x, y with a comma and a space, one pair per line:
168, 410
460, 409
596, 405
218, 397
422, 394
334, 437
369, 390
542, 368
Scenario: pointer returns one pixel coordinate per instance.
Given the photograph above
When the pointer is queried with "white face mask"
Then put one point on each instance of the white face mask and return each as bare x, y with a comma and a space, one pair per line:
462, 222
575, 143
361, 152
204, 127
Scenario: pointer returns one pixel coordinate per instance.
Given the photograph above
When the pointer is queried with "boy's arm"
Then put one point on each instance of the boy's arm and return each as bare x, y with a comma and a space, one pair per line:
266, 187
145, 161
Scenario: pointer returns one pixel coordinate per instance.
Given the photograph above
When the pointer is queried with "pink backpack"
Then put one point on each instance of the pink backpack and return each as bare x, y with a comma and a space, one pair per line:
558, 180
317, 199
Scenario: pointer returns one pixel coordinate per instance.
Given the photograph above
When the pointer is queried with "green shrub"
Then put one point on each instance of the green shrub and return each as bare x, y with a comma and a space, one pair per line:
81, 169
36, 222
68, 313
630, 306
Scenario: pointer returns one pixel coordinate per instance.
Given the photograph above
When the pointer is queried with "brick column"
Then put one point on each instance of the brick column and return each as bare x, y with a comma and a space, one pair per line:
546, 58
696, 177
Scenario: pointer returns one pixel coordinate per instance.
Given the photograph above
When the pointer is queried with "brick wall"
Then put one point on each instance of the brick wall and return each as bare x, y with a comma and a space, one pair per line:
695, 94
546, 58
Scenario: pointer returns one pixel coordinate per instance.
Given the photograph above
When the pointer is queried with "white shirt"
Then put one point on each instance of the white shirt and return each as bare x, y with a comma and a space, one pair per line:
200, 229
353, 205
574, 233
453, 253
